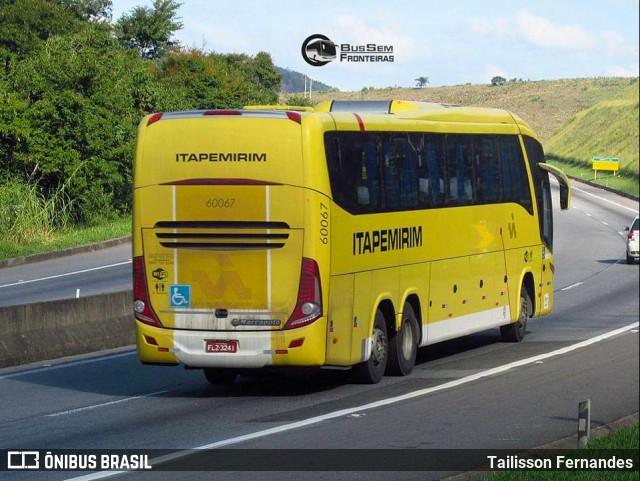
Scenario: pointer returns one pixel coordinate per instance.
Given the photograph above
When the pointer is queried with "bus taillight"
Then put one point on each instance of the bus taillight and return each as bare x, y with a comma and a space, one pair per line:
141, 306
295, 116
309, 305
154, 118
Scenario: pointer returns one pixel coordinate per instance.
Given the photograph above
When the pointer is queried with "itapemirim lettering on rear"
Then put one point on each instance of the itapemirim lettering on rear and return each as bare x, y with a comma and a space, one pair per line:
221, 157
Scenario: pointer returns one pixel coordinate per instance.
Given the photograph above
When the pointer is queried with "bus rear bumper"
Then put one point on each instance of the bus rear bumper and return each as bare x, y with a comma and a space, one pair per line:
253, 349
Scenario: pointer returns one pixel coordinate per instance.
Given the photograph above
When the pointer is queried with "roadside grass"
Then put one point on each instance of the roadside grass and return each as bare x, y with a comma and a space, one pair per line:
68, 237
624, 439
627, 182
26, 213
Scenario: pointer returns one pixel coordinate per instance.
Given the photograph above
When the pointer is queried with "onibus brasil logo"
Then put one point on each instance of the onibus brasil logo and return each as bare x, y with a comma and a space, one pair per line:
318, 50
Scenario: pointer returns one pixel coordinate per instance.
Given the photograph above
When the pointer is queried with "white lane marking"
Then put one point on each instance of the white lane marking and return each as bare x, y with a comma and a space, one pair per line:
606, 200
117, 401
588, 215
571, 286
373, 405
68, 364
66, 274
604, 223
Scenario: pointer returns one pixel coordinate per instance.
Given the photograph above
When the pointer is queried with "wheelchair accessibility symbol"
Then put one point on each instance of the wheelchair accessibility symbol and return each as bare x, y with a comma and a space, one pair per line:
179, 295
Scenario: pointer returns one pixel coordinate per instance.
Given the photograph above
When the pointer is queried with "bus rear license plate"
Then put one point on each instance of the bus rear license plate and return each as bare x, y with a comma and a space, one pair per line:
221, 346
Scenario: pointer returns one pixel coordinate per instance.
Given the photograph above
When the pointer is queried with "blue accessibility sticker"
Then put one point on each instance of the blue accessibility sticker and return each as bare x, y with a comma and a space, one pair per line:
179, 295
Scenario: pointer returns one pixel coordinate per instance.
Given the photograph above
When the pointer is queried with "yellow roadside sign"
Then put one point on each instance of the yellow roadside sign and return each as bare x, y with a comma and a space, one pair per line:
606, 163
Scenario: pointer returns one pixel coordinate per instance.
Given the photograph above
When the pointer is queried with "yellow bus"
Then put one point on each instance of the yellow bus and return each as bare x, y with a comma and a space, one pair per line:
345, 236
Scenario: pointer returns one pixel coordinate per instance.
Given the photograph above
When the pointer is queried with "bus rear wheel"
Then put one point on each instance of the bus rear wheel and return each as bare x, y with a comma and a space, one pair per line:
515, 332
221, 376
372, 370
403, 346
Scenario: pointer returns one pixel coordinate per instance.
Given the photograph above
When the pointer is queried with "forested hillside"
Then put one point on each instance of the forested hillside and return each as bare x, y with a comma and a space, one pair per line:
294, 82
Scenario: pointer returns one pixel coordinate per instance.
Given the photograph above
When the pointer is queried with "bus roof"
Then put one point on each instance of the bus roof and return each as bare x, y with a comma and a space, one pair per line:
375, 113
412, 110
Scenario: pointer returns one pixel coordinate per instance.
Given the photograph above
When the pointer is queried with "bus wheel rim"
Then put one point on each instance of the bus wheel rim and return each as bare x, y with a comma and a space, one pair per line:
378, 349
407, 339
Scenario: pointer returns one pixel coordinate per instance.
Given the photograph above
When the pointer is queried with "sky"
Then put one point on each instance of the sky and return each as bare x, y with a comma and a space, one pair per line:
451, 42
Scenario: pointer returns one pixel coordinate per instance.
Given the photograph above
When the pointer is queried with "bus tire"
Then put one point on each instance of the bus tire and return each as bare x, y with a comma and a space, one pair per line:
372, 370
222, 376
403, 345
515, 331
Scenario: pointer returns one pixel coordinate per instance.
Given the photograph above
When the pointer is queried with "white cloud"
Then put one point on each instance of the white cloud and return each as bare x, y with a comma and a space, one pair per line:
619, 71
499, 27
542, 32
355, 30
616, 44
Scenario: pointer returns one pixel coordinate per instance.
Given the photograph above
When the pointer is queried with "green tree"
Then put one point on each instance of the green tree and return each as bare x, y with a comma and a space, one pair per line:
260, 72
210, 80
26, 24
91, 10
498, 80
298, 100
78, 118
422, 81
14, 128
150, 30
265, 76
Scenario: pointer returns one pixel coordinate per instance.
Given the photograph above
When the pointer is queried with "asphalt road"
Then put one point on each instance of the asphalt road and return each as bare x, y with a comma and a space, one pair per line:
475, 392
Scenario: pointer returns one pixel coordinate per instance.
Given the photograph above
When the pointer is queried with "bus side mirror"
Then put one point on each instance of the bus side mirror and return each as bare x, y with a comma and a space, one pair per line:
564, 197
563, 180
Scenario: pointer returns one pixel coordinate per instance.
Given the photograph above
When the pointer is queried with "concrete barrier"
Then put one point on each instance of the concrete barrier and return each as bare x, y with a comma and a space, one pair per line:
48, 330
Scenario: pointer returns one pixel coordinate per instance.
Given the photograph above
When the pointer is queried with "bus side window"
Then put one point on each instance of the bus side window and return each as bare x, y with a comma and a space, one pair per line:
459, 178
352, 172
391, 196
371, 174
489, 176
514, 174
435, 183
408, 184
422, 175
345, 168
451, 150
466, 180
334, 159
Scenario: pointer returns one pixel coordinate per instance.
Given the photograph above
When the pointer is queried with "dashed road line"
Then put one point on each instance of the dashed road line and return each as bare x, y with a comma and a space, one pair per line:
109, 403
572, 286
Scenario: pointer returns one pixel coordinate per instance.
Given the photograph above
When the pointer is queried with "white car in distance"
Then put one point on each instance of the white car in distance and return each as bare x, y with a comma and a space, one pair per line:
633, 238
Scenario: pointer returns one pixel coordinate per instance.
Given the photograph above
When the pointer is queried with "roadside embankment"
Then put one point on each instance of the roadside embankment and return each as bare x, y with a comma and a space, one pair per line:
49, 330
